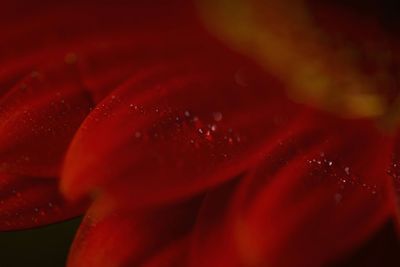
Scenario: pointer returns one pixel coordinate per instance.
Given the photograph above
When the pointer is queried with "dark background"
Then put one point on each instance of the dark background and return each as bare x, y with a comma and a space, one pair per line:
41, 247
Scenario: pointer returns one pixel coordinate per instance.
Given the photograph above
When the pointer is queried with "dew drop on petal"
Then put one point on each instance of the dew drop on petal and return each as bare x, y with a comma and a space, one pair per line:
138, 134
217, 116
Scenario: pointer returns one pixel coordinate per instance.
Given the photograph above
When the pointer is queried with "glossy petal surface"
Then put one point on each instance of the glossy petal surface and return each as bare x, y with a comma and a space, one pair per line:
56, 63
172, 130
38, 118
305, 206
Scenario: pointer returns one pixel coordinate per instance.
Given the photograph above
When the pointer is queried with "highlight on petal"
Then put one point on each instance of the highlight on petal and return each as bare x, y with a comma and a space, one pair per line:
132, 239
177, 128
53, 68
307, 205
38, 118
27, 202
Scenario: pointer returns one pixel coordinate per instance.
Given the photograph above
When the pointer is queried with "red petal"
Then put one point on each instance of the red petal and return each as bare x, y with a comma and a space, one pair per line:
131, 239
177, 128
306, 206
174, 255
108, 43
38, 118
29, 202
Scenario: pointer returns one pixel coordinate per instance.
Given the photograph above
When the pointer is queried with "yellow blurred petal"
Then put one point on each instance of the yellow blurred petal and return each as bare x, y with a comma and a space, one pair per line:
281, 36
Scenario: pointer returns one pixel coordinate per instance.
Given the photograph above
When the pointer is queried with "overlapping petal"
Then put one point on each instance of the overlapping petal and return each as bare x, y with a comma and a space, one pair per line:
175, 114
56, 63
27, 202
38, 118
305, 206
172, 130
54, 68
133, 239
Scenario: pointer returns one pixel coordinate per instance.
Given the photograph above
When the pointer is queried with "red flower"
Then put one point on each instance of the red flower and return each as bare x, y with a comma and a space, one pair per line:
192, 153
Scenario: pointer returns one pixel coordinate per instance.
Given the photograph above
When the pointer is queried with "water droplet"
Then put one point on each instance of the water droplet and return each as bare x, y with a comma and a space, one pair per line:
208, 136
217, 116
138, 134
347, 170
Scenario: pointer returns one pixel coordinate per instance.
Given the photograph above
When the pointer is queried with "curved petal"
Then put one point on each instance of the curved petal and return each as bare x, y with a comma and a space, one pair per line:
306, 206
122, 239
27, 202
177, 128
52, 67
38, 118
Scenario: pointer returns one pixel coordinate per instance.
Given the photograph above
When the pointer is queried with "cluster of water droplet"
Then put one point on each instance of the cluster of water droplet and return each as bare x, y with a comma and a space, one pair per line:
344, 176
